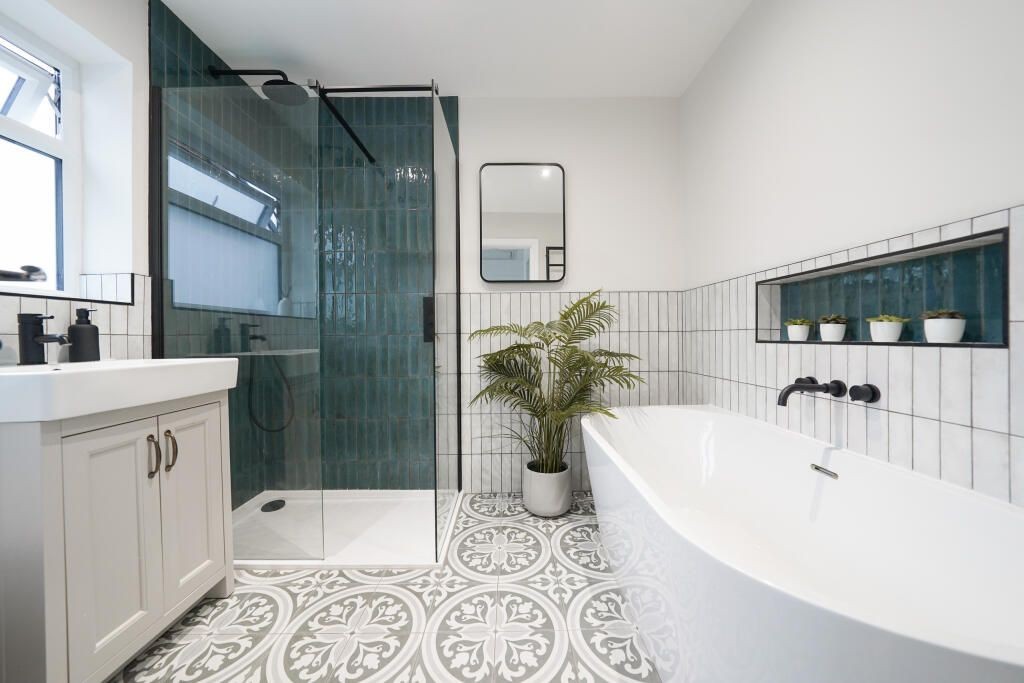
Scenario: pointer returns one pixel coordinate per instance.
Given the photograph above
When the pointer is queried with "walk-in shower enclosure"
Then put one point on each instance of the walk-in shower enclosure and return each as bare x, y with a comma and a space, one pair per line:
332, 278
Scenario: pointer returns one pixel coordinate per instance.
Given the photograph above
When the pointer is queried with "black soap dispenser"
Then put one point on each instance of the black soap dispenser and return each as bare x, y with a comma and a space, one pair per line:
222, 336
84, 338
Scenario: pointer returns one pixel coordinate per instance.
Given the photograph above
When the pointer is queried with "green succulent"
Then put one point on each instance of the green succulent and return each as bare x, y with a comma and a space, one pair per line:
942, 314
888, 318
833, 319
798, 321
549, 379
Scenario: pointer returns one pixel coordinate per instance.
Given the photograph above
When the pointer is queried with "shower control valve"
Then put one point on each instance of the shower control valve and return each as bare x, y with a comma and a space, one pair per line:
868, 393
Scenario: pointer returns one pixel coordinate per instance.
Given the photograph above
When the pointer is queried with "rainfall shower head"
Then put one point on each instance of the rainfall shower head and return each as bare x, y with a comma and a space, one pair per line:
279, 89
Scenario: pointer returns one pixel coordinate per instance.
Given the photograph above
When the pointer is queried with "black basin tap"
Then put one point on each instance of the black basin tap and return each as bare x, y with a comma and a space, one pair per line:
809, 384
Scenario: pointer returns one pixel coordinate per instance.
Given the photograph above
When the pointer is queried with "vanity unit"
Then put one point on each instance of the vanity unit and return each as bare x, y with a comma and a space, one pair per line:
114, 509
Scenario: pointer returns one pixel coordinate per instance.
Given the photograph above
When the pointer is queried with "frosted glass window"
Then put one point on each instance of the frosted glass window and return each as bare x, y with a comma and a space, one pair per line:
29, 195
213, 265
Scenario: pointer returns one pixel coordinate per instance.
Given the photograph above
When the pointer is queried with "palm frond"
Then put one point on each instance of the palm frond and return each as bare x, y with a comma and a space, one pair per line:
549, 379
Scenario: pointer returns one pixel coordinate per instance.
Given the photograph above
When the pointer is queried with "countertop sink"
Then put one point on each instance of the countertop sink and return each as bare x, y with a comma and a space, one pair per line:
40, 393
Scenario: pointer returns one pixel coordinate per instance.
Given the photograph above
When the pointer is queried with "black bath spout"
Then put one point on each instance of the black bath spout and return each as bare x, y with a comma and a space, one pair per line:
834, 388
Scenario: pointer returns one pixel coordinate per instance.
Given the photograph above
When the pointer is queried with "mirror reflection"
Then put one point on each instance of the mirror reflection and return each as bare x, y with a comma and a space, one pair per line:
522, 222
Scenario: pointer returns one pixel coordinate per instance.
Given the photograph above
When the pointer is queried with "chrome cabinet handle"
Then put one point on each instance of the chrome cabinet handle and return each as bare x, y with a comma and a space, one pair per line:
159, 456
173, 460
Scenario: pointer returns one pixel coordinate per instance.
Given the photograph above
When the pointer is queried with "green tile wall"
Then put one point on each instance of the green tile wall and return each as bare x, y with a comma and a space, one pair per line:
970, 281
365, 404
235, 123
377, 265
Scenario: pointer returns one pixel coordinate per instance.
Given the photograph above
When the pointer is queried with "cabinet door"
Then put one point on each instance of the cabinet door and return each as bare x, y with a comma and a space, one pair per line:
191, 500
112, 541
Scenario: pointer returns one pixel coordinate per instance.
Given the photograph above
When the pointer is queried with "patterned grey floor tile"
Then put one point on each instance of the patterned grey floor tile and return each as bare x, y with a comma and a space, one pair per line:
605, 636
494, 550
367, 657
578, 545
518, 598
207, 658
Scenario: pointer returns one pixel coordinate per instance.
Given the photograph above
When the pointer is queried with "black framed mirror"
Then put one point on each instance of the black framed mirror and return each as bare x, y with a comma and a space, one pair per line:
522, 222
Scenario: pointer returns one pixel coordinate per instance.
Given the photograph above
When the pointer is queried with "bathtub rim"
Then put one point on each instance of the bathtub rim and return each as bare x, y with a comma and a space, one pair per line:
1009, 654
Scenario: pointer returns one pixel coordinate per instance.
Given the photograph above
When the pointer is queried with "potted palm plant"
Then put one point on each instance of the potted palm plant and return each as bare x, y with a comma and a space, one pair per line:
549, 379
943, 326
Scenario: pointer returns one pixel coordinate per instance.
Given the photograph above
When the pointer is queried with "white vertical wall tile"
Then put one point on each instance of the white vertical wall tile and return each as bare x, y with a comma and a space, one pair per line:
1017, 379
991, 221
926, 447
955, 384
856, 434
901, 440
878, 433
1016, 259
990, 389
955, 450
901, 379
1017, 470
878, 373
927, 379
991, 463
953, 230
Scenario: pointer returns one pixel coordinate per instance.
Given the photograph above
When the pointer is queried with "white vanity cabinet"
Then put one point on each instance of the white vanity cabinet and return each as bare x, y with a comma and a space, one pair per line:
112, 526
143, 526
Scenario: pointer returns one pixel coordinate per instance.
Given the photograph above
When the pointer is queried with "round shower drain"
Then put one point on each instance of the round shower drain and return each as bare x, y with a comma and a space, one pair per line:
272, 506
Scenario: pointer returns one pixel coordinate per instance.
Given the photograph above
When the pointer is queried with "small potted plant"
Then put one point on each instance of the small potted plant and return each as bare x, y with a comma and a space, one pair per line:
943, 326
798, 329
832, 327
549, 379
887, 328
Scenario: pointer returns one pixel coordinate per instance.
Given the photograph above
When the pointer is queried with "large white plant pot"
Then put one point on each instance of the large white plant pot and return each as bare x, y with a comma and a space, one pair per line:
944, 330
832, 332
886, 332
798, 332
547, 495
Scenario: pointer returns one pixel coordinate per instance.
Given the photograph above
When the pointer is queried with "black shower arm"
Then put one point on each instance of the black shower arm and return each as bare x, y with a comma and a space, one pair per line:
217, 73
322, 93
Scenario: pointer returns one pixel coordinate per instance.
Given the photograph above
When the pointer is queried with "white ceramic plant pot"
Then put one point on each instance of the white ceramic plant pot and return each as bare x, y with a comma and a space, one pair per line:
832, 332
547, 495
798, 332
886, 332
944, 330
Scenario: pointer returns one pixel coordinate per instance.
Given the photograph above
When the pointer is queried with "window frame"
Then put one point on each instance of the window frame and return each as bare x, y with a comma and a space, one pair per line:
66, 149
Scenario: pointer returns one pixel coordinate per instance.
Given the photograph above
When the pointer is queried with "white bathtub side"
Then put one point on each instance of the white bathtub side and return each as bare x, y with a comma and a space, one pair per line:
702, 620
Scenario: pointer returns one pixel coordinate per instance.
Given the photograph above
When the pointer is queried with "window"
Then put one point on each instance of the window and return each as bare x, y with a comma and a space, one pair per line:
35, 145
213, 211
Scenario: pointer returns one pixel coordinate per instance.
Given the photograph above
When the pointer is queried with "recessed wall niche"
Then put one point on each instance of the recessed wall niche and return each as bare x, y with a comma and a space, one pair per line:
968, 274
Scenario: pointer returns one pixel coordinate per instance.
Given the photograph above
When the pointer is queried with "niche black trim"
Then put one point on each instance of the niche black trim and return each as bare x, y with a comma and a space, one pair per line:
1002, 233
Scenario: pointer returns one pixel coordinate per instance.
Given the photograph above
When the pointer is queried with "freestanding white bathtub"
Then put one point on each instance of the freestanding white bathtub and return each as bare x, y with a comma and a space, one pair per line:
743, 563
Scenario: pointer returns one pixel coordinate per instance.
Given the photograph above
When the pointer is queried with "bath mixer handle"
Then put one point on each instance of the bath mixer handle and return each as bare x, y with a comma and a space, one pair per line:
868, 393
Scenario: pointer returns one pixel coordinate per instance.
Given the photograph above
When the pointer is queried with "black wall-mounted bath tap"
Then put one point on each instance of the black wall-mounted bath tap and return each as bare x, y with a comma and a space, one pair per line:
31, 338
834, 388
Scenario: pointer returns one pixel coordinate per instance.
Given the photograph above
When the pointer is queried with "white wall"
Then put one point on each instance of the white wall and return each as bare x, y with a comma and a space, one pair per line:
817, 126
110, 41
621, 183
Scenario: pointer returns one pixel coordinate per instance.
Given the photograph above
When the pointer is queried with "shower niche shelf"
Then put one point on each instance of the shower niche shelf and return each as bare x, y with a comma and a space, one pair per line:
969, 274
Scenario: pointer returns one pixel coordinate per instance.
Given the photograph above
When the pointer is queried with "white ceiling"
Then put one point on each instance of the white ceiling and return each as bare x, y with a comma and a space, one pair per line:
473, 48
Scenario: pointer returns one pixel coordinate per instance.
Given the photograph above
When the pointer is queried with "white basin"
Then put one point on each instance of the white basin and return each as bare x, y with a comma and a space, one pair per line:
40, 393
